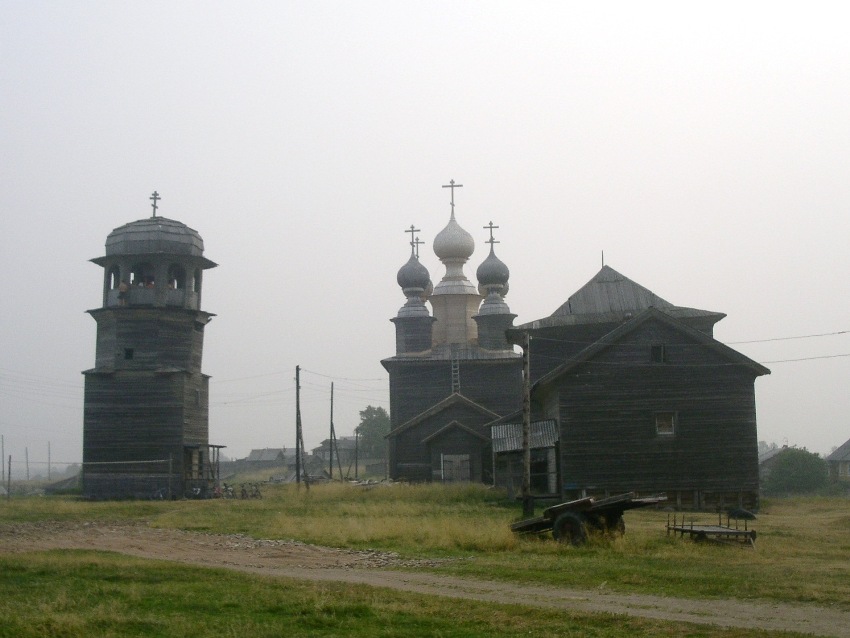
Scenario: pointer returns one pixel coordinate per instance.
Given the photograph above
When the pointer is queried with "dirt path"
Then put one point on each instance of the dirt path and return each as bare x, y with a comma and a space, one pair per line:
298, 560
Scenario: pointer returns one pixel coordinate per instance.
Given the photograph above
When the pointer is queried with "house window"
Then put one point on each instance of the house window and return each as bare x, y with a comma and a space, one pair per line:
658, 353
665, 423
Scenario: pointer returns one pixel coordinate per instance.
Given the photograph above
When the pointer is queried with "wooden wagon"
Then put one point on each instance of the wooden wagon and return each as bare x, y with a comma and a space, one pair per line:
719, 532
571, 521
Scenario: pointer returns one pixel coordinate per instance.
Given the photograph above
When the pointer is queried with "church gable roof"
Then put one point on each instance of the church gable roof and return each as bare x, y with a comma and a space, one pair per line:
630, 326
455, 399
609, 291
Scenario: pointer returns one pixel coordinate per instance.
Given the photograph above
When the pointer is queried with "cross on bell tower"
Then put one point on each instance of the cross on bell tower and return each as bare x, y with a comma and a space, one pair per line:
155, 198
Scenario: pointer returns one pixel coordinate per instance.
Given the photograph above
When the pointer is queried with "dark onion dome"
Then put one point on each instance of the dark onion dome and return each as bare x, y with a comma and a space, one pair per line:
154, 235
413, 275
492, 271
453, 242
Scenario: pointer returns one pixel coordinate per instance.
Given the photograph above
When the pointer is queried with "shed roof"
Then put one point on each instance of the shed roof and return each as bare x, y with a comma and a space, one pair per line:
507, 437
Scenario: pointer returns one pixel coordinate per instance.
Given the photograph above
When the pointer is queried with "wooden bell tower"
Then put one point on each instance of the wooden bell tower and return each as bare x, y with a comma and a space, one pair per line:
146, 412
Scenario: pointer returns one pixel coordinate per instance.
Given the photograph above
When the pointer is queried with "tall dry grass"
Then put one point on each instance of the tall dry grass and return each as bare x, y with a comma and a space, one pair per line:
802, 552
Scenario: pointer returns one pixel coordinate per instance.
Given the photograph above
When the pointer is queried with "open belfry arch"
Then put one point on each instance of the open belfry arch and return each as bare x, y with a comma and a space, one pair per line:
146, 406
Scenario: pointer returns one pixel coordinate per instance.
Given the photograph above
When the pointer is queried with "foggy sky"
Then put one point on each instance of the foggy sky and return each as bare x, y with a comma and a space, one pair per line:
704, 149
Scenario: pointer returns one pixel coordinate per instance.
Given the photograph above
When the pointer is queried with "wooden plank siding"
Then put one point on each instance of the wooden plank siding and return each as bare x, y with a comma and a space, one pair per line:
606, 407
408, 447
147, 405
418, 385
415, 386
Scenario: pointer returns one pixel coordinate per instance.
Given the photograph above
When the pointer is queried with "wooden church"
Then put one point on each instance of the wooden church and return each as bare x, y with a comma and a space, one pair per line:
146, 401
454, 372
629, 391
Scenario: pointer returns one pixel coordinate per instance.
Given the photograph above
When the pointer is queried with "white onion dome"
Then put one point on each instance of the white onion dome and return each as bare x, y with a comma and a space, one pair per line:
492, 271
413, 275
453, 242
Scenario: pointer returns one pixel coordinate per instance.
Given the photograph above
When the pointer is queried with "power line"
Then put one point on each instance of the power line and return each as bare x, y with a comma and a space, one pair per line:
823, 334
330, 376
826, 356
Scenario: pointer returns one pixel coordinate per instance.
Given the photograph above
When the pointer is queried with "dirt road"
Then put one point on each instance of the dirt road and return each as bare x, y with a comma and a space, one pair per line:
297, 560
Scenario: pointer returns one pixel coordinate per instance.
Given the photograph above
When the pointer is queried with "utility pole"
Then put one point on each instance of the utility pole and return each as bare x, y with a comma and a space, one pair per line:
299, 435
332, 439
298, 425
527, 500
334, 442
2, 457
48, 460
27, 461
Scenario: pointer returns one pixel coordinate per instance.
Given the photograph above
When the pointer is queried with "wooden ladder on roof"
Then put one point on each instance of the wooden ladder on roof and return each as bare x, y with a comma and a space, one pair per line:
455, 371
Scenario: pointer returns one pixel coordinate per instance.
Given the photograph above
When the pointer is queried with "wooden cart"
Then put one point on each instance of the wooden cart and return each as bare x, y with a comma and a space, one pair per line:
719, 532
571, 521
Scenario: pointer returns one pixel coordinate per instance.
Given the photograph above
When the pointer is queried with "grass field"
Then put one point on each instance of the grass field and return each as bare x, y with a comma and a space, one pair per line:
802, 555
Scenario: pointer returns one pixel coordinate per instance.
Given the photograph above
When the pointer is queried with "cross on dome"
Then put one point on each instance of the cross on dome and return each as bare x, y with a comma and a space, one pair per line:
453, 186
154, 198
491, 241
414, 240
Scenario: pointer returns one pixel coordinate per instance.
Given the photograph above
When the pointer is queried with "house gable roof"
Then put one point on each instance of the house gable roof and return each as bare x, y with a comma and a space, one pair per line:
452, 400
267, 454
610, 297
841, 454
454, 425
630, 326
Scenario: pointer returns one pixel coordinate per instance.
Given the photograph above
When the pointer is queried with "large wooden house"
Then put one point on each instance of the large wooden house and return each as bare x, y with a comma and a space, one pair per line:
630, 392
646, 399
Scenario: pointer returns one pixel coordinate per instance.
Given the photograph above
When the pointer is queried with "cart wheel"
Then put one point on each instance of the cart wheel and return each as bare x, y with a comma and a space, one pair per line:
570, 528
619, 527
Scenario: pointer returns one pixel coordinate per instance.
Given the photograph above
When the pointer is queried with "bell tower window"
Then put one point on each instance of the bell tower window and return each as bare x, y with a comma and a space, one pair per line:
113, 278
143, 275
176, 277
